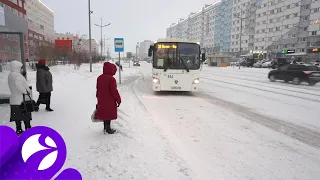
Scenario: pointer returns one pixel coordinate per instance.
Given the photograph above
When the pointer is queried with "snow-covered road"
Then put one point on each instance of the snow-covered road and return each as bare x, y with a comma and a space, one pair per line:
239, 126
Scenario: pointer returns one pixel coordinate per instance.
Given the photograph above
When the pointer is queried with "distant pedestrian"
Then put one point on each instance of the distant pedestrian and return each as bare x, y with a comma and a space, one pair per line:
119, 65
44, 84
19, 87
108, 97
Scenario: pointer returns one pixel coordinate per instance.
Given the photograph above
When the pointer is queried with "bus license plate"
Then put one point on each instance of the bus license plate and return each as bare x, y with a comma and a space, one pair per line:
175, 87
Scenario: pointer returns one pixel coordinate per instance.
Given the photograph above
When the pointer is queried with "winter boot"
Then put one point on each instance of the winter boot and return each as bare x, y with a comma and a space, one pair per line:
36, 109
19, 132
109, 130
49, 109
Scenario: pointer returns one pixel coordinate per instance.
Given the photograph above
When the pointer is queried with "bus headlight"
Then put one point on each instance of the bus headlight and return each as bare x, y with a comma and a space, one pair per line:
156, 80
196, 81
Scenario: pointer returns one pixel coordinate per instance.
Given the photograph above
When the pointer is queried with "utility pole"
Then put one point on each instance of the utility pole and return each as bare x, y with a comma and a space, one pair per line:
104, 45
102, 26
137, 46
240, 34
90, 53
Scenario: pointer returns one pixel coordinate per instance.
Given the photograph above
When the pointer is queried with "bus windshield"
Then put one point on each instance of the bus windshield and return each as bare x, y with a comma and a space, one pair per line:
176, 56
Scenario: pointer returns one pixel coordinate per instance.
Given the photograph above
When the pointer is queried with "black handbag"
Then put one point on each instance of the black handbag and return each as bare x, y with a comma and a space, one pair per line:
28, 106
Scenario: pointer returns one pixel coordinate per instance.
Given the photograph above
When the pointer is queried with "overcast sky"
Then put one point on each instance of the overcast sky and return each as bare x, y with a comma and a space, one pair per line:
134, 20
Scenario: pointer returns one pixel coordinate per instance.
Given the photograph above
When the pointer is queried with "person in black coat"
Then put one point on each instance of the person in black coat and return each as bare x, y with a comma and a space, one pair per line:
44, 84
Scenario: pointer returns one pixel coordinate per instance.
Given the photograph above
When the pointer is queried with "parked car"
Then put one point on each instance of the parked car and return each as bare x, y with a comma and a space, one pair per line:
316, 64
296, 73
136, 63
266, 64
234, 64
249, 62
258, 64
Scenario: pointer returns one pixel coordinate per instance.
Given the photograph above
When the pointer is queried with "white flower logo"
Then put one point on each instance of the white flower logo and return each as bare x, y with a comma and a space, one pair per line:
32, 146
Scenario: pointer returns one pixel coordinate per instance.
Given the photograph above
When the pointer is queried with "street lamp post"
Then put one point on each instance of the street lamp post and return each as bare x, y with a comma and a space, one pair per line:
102, 26
90, 53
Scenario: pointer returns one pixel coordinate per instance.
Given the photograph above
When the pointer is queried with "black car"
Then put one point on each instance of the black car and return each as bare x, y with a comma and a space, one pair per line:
136, 63
296, 73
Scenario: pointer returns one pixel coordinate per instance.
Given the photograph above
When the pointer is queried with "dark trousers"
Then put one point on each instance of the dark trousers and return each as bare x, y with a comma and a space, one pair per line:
44, 97
27, 125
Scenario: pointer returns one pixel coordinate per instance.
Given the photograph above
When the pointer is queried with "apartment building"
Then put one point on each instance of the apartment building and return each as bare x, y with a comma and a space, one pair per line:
243, 27
40, 22
12, 18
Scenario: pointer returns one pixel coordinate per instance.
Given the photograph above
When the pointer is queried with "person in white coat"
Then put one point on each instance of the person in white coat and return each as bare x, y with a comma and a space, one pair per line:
19, 87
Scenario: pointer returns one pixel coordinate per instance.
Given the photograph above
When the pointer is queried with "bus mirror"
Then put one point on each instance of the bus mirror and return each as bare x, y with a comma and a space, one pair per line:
203, 57
150, 51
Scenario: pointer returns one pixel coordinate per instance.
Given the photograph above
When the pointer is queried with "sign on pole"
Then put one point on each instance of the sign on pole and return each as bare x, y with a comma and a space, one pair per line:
119, 47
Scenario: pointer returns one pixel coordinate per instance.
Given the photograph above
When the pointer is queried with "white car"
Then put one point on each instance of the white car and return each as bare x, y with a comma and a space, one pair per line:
266, 64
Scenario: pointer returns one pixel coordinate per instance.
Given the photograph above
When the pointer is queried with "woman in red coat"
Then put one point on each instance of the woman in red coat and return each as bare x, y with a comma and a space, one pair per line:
108, 97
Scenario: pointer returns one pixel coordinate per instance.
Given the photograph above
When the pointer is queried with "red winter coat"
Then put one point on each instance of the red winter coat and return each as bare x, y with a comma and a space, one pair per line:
107, 94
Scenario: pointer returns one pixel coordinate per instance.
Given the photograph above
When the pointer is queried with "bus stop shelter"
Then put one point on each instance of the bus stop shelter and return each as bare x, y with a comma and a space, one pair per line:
5, 32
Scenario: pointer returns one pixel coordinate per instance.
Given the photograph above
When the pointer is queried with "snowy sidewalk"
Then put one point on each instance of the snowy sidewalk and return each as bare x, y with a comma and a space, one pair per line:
137, 151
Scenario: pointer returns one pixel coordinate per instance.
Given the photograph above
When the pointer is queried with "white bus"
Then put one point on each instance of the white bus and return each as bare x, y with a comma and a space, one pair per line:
176, 65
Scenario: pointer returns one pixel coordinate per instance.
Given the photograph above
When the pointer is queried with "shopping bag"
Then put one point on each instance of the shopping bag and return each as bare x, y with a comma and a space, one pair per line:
93, 117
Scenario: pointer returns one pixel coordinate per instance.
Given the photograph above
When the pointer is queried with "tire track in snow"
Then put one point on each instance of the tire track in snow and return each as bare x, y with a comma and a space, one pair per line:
271, 83
183, 165
304, 135
256, 88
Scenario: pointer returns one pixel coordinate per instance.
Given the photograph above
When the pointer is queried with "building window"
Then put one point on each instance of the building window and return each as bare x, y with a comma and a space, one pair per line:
297, 4
308, 6
279, 10
313, 33
293, 35
316, 10
288, 7
287, 16
286, 26
295, 14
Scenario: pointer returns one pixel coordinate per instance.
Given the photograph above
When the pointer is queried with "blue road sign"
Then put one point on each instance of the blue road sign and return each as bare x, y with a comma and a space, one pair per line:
118, 44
